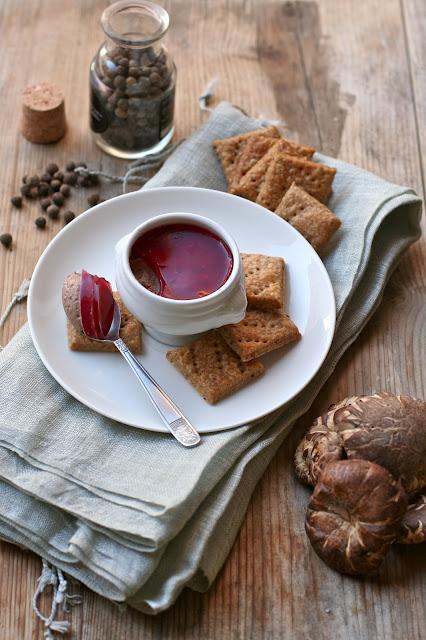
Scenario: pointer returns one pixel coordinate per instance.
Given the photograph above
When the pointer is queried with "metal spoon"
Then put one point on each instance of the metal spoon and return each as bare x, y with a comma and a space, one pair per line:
171, 415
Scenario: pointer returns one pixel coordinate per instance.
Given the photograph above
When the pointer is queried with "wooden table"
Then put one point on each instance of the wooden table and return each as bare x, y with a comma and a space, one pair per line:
348, 77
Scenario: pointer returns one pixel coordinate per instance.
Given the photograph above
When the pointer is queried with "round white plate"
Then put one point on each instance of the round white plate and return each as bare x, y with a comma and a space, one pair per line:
103, 381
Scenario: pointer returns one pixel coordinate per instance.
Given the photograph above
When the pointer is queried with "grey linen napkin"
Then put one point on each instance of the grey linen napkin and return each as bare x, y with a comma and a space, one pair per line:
129, 513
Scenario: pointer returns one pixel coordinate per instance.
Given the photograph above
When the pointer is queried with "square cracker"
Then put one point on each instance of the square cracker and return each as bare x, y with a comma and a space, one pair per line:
250, 152
213, 368
250, 183
227, 149
311, 218
130, 332
284, 169
264, 281
260, 332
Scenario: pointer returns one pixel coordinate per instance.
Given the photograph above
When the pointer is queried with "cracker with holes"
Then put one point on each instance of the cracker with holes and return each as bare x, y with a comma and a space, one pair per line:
260, 332
252, 151
130, 332
228, 149
213, 368
310, 217
264, 281
250, 184
284, 169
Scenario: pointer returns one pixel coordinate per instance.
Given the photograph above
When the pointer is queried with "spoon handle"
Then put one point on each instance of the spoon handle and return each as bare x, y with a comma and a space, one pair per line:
173, 417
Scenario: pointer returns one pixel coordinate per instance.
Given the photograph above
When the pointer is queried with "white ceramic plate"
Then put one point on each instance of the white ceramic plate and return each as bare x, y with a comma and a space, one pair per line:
103, 382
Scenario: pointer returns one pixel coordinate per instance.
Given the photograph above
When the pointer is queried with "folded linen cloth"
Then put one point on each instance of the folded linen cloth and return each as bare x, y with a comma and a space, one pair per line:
129, 513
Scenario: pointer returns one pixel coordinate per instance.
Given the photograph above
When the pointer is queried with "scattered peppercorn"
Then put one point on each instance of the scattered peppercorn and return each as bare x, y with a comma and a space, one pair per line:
65, 190
40, 222
46, 177
6, 240
45, 203
70, 178
52, 168
58, 199
52, 211
33, 181
55, 185
93, 199
69, 217
58, 175
25, 190
83, 181
16, 201
70, 166
43, 189
93, 180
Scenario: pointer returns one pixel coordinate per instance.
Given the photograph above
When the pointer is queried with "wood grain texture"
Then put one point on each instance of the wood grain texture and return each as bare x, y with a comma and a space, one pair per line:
346, 76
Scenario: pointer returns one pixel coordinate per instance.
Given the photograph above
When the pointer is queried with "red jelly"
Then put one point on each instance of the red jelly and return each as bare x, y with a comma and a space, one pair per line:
181, 261
96, 306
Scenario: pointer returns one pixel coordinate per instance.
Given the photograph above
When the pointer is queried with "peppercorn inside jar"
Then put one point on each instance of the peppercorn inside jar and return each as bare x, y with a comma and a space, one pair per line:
132, 81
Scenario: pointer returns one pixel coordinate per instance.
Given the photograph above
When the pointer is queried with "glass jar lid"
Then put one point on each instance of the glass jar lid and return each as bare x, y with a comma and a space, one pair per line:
135, 23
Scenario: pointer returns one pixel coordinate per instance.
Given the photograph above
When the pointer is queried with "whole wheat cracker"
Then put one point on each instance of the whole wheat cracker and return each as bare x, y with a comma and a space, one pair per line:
250, 153
213, 368
284, 169
227, 149
130, 332
260, 332
310, 217
264, 280
250, 184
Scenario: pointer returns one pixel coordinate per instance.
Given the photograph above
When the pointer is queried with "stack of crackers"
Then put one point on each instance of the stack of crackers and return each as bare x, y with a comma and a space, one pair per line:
281, 176
225, 360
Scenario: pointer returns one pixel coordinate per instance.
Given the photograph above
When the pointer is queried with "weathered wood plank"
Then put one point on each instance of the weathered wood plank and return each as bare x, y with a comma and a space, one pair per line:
414, 22
344, 76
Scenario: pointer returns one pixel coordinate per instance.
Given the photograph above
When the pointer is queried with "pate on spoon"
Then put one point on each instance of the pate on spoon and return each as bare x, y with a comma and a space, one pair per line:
90, 307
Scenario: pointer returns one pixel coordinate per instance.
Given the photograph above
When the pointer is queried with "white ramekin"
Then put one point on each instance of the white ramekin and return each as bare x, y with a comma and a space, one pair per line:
171, 321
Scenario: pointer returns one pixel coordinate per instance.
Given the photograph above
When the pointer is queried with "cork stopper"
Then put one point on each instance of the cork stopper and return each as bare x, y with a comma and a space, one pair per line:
43, 113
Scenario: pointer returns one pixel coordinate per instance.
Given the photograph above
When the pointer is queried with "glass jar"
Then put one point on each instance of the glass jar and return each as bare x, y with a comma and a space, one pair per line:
132, 81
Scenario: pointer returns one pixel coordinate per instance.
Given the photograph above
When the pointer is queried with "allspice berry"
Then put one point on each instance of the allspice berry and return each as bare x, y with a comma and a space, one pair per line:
6, 240
43, 113
16, 201
26, 190
65, 190
70, 178
83, 181
52, 168
33, 181
45, 203
69, 217
53, 211
40, 222
43, 189
93, 199
55, 185
58, 199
